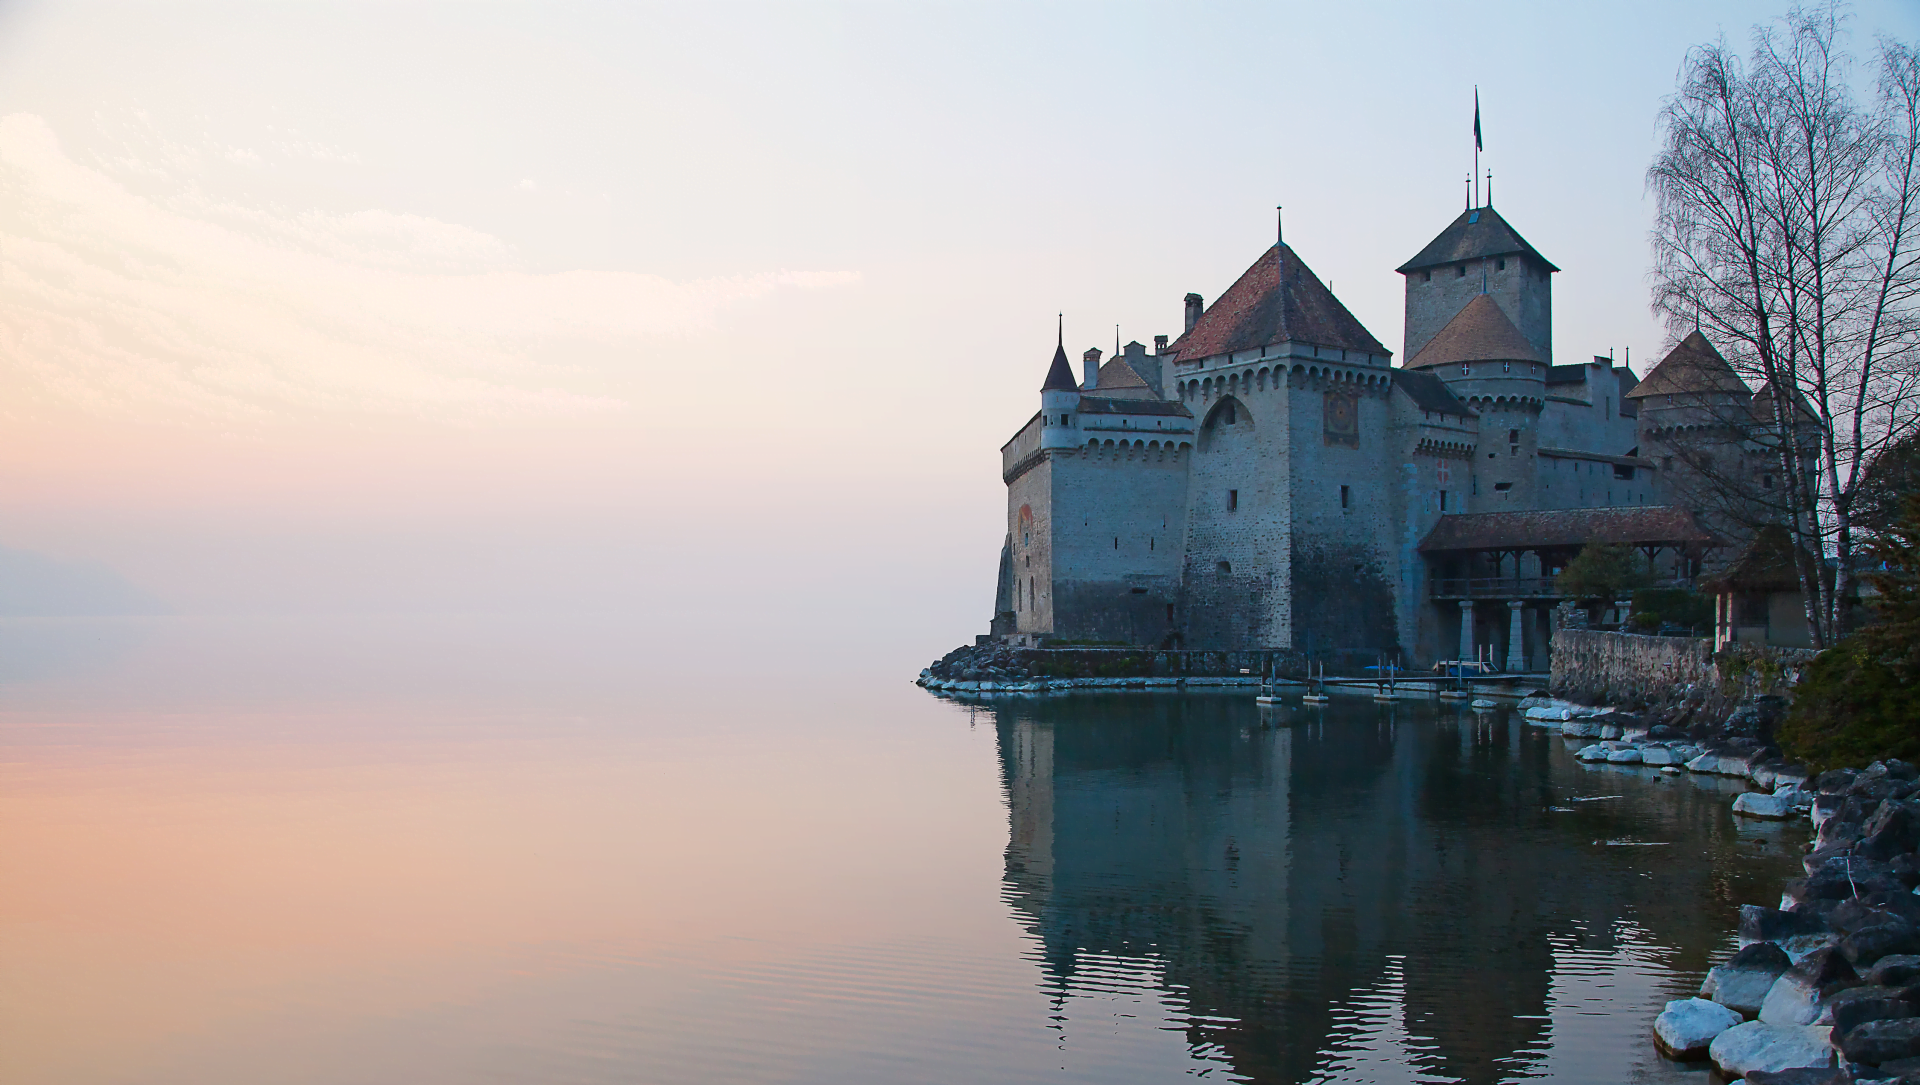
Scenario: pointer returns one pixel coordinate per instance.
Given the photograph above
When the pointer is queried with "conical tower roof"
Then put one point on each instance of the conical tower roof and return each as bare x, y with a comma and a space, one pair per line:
1478, 232
1278, 299
1692, 367
1060, 374
1480, 332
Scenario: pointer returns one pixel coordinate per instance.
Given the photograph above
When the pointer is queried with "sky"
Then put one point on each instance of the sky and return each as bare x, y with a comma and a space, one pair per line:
714, 314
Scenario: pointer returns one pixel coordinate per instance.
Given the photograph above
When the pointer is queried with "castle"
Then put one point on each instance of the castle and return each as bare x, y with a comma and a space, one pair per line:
1271, 480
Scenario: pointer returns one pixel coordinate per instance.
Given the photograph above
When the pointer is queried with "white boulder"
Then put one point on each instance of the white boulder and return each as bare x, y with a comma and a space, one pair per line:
1718, 764
1595, 752
1627, 756
1686, 1028
1757, 804
1658, 755
1756, 1045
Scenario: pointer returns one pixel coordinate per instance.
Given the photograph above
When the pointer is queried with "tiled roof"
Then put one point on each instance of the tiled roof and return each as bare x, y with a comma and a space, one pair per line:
1639, 525
1476, 233
1277, 299
1762, 407
1766, 564
1692, 367
1430, 393
1118, 374
1104, 405
1480, 332
1060, 375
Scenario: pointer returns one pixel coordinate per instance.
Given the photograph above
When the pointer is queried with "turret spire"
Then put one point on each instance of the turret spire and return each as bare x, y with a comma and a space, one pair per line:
1060, 374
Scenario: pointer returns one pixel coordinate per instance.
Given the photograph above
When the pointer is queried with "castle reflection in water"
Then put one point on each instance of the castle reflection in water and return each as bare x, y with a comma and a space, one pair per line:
1274, 872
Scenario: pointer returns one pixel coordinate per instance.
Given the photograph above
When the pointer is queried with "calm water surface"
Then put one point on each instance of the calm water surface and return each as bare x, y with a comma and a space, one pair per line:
426, 852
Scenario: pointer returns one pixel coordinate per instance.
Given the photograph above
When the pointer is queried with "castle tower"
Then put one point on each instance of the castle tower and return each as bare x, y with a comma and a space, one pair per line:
1491, 366
1059, 402
1479, 253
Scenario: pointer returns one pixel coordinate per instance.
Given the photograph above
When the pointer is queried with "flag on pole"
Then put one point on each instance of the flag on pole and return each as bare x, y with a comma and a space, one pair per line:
1476, 119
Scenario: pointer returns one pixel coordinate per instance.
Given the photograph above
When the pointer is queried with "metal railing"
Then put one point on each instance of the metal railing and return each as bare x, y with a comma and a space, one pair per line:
1502, 587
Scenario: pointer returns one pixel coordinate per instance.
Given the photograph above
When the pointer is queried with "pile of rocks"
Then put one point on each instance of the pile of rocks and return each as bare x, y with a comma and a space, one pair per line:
1627, 739
1826, 987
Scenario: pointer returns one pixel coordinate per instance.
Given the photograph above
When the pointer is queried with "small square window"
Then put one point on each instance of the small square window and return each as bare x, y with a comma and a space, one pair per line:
1460, 272
1500, 265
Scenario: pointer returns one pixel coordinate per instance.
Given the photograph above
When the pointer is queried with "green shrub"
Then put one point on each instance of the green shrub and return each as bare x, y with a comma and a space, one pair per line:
1851, 709
1654, 607
1860, 699
1602, 571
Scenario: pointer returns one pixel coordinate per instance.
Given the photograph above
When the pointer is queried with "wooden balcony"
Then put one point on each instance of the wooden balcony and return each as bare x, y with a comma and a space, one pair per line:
1507, 587
1503, 587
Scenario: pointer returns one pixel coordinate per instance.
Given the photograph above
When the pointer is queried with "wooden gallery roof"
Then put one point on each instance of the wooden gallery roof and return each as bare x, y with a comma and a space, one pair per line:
1550, 529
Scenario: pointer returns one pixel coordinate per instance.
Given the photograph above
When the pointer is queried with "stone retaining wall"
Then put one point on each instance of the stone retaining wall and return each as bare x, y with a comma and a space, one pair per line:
1636, 671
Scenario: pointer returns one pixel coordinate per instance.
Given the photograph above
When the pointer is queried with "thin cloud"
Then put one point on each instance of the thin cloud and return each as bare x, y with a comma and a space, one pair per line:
201, 309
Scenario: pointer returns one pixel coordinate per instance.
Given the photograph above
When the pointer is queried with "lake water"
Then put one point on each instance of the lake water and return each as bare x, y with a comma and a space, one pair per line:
544, 851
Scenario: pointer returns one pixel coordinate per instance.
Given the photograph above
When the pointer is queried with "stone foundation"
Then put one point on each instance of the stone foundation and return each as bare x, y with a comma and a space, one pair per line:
1650, 673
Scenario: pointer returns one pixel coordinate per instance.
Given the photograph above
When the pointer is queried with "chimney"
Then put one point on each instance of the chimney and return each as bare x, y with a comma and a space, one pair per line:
1194, 305
1159, 344
1090, 361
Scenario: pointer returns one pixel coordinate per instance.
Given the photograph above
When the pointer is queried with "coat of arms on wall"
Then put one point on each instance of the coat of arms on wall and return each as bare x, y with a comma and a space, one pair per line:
1343, 419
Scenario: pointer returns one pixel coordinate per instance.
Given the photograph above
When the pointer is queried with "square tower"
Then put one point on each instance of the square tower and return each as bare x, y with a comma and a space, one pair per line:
1479, 253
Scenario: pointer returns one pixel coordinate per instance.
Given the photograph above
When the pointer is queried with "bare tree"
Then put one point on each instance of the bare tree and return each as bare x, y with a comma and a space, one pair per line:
1789, 234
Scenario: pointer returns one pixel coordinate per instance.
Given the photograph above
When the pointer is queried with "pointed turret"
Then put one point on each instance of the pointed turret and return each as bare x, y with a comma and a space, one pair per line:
1694, 369
1059, 400
1279, 299
1060, 374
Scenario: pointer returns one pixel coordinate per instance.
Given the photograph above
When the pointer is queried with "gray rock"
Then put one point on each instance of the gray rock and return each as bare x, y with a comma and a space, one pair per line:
1833, 1075
1878, 1042
1852, 1008
1742, 983
1624, 757
1686, 1028
1795, 997
1894, 970
1611, 731
1838, 830
1834, 781
1758, 924
1718, 764
1756, 804
1595, 752
1864, 947
1758, 1046
1659, 755
1580, 729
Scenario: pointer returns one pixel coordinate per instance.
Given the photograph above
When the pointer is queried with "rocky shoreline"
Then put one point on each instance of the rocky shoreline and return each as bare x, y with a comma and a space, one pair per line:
1825, 988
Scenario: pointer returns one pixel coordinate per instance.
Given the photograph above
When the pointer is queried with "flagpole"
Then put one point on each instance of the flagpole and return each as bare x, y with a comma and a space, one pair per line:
1476, 145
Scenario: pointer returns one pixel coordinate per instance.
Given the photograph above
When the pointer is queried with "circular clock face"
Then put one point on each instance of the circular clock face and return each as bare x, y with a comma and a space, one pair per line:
1340, 413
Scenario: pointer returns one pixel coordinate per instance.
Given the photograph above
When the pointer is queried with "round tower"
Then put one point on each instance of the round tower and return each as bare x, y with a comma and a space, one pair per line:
1489, 364
1059, 403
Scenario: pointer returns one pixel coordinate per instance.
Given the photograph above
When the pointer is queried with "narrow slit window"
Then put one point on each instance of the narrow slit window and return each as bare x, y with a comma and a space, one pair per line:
1346, 494
1233, 500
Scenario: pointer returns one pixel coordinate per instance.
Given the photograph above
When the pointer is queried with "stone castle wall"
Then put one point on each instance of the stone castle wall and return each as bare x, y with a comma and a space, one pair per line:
1238, 517
1523, 290
1342, 565
1628, 669
1119, 524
